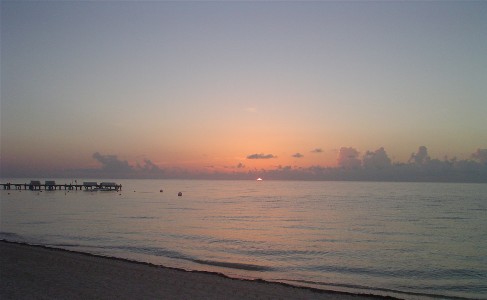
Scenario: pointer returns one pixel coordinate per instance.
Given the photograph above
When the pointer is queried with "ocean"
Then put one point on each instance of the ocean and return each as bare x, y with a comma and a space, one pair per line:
408, 240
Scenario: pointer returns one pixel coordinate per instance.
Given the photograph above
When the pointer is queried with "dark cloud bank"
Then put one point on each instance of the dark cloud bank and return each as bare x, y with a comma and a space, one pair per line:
352, 166
113, 167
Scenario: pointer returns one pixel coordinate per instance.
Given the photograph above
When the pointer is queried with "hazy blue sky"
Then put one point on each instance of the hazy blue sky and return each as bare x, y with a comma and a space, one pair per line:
206, 85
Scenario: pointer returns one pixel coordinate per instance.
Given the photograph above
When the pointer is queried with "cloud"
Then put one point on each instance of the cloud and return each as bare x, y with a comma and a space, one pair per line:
111, 163
480, 155
114, 167
238, 166
377, 159
148, 166
421, 157
297, 155
317, 150
280, 167
260, 156
348, 158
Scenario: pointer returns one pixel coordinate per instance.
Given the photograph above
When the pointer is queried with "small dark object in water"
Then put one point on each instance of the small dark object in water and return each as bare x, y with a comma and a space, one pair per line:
180, 194
160, 191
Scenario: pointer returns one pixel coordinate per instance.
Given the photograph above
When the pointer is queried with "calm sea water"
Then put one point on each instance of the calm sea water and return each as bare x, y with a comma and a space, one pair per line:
409, 240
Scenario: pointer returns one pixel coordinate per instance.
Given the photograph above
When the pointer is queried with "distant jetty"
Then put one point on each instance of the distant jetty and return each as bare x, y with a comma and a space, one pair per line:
50, 185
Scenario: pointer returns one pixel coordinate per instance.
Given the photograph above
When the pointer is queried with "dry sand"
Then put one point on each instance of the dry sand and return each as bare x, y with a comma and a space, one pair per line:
36, 272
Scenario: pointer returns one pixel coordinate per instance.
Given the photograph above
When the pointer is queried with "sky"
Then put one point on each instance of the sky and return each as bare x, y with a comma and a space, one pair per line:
225, 87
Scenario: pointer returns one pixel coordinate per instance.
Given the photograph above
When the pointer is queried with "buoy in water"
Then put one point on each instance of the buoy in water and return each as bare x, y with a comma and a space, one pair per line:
180, 194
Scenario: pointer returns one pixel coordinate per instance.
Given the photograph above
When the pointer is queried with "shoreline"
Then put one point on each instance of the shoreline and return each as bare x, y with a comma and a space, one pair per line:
37, 271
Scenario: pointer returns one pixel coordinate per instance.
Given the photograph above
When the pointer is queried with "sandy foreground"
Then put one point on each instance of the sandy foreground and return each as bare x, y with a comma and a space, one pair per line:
35, 272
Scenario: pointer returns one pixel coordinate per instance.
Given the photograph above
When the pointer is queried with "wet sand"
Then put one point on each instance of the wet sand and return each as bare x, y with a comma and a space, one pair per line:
37, 272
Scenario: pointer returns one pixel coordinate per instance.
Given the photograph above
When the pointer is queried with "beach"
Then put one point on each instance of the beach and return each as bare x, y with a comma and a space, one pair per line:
37, 272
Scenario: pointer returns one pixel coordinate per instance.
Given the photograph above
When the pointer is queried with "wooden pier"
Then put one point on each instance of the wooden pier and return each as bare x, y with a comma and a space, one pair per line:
50, 185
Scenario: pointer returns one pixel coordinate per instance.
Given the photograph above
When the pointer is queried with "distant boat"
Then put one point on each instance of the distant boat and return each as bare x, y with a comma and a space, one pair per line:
259, 179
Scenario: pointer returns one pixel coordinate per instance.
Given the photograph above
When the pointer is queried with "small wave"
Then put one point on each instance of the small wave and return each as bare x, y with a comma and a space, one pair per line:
403, 273
183, 208
9, 236
157, 251
294, 253
177, 255
477, 209
139, 217
367, 288
232, 265
450, 218
72, 245
36, 223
